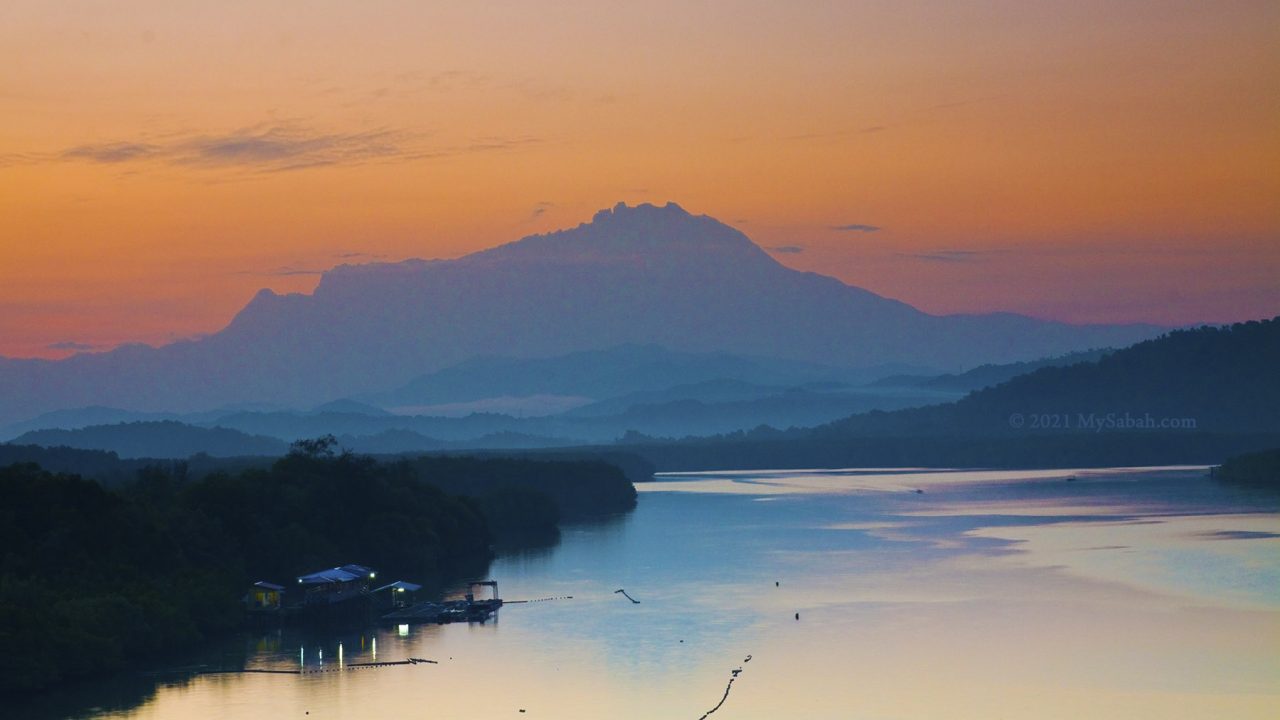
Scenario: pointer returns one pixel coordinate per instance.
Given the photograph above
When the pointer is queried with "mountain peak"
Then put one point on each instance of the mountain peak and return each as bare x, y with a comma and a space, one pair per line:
623, 210
644, 232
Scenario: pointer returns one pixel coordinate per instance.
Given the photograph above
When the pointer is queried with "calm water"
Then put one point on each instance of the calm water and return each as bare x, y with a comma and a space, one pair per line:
1127, 593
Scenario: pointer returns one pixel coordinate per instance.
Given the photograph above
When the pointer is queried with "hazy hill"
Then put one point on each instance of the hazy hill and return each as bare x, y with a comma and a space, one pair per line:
163, 439
985, 375
646, 275
589, 375
76, 418
1223, 379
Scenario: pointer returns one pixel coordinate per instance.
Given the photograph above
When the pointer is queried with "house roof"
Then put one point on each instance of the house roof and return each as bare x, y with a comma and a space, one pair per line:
400, 585
268, 586
346, 573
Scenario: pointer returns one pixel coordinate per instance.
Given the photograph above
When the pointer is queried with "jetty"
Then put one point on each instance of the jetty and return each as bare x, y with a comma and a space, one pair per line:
470, 609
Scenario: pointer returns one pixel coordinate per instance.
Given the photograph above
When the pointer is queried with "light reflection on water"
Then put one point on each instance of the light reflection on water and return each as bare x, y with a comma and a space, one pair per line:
1119, 594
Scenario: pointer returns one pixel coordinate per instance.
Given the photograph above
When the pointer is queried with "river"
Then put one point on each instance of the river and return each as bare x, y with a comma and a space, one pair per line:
1118, 593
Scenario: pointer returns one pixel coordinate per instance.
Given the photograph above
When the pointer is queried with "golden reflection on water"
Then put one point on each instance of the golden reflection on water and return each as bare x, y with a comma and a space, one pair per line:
956, 603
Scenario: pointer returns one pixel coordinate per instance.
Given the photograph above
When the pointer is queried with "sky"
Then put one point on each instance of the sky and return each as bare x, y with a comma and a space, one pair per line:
162, 160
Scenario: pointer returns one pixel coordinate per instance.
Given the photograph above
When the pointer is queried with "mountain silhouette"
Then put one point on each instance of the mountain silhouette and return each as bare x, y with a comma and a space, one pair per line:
632, 275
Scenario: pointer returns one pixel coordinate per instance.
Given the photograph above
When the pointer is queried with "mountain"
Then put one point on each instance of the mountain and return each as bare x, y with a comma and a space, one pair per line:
643, 275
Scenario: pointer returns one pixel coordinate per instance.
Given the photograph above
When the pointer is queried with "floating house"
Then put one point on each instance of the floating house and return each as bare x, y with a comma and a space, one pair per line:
336, 585
399, 594
468, 610
264, 597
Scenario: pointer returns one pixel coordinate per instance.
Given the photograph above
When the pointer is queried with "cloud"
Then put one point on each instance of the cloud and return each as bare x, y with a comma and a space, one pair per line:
948, 256
787, 249
358, 255
452, 79
283, 148
282, 271
478, 145
539, 208
261, 148
844, 134
970, 101
111, 152
856, 227
10, 159
290, 270
271, 148
71, 345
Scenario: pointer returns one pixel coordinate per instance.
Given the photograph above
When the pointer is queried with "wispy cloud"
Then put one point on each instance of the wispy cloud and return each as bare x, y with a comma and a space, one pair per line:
786, 249
539, 208
283, 148
10, 159
836, 134
71, 345
452, 79
856, 227
948, 256
969, 101
358, 256
111, 152
263, 148
272, 148
478, 145
283, 271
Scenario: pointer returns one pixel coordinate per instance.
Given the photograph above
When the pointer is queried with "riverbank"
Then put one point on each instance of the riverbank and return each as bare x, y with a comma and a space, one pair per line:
95, 580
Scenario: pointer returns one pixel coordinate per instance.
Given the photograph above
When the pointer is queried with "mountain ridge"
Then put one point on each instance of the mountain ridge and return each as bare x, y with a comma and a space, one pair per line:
639, 274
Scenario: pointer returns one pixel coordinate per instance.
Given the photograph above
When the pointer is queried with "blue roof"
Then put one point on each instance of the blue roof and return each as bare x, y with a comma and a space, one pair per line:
401, 585
346, 573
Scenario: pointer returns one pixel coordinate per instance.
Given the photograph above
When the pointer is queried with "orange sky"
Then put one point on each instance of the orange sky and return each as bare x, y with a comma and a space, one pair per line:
160, 161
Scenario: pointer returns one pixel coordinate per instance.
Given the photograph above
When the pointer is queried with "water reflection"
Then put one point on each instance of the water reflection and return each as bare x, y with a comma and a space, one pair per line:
1063, 594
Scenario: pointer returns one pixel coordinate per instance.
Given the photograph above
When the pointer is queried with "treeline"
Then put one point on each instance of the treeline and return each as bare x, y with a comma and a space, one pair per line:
577, 488
95, 579
1107, 449
158, 439
1260, 469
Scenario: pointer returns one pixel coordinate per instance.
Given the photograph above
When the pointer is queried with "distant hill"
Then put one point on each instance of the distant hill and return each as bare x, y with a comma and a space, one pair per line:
350, 407
985, 375
1189, 396
1220, 379
163, 439
76, 418
599, 374
632, 275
